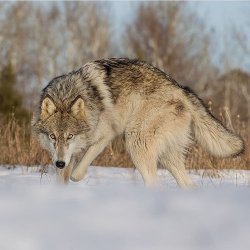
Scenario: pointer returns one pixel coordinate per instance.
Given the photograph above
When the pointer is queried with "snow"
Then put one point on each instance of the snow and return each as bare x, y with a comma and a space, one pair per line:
111, 209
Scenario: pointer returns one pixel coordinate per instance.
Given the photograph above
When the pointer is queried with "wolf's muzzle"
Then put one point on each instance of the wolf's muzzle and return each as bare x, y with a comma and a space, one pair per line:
60, 164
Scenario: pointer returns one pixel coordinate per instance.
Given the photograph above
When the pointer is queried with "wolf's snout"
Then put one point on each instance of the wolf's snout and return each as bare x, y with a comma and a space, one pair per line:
60, 164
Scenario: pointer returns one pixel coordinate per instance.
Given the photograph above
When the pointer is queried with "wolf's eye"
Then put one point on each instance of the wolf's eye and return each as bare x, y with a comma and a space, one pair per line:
70, 136
52, 136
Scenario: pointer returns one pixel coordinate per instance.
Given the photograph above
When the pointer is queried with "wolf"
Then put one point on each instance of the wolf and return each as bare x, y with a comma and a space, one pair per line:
81, 112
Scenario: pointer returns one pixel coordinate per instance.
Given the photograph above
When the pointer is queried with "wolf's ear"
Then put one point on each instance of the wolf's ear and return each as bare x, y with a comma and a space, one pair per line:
77, 108
48, 108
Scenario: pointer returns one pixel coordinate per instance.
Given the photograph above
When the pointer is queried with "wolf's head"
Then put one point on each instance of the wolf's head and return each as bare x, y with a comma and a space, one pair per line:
63, 132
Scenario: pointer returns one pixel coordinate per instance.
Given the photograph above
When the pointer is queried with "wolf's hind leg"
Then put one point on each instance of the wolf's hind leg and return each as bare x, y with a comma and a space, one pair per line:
144, 158
174, 162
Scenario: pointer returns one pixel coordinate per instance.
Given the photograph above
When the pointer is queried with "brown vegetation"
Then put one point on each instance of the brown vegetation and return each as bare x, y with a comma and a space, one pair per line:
18, 147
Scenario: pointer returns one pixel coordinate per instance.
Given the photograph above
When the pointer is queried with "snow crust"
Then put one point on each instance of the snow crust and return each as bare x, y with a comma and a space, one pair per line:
111, 209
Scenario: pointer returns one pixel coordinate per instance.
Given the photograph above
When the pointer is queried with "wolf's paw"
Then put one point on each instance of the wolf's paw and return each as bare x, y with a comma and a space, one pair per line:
76, 177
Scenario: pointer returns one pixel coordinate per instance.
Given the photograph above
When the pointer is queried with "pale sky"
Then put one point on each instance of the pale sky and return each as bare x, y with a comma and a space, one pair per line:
218, 16
216, 13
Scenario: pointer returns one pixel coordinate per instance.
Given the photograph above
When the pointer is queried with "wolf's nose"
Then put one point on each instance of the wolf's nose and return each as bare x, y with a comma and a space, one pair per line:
60, 164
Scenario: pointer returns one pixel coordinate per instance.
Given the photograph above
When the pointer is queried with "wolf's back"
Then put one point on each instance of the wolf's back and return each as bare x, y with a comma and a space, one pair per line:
210, 132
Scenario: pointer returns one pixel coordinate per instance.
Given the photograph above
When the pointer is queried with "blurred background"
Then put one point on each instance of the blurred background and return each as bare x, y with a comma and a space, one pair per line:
205, 46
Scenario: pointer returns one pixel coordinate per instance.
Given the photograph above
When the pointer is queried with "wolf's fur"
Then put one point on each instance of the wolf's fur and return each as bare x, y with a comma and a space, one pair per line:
107, 98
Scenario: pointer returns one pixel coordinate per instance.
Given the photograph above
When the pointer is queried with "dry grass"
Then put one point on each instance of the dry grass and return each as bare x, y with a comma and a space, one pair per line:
18, 147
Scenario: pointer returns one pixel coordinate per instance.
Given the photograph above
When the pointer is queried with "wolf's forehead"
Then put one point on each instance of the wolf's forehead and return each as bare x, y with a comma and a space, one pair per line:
65, 124
62, 125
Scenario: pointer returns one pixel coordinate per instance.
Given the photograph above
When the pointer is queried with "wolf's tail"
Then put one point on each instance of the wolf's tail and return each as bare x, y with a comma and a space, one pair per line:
210, 132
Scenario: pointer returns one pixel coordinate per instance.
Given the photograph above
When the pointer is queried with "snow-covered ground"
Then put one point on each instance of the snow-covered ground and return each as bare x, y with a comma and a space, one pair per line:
111, 209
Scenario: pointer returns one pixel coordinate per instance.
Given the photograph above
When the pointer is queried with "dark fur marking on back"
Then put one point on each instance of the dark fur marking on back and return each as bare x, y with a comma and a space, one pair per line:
119, 70
94, 95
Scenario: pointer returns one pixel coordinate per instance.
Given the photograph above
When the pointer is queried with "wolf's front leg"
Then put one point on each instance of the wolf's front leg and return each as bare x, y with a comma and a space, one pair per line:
94, 150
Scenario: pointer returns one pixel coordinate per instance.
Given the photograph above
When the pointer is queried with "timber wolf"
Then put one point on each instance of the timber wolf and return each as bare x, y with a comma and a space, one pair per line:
81, 112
